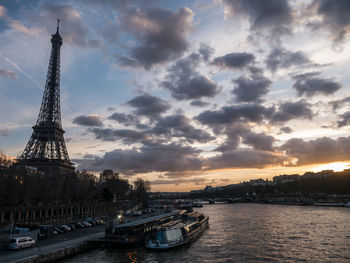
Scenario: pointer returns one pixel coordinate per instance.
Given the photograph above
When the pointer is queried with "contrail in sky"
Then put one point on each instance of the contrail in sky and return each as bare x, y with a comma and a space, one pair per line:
29, 77
22, 71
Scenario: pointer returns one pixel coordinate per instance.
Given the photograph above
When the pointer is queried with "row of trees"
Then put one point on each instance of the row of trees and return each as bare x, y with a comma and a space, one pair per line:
21, 186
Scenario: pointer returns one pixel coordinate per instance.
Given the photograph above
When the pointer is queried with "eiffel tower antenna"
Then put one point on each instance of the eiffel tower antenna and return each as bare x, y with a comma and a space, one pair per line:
58, 26
46, 148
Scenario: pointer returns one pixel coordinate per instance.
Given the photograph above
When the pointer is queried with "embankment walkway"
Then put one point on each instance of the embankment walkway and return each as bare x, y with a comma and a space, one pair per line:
55, 248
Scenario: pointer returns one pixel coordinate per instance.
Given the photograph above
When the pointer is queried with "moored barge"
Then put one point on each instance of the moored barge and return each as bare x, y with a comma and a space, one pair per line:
177, 232
134, 233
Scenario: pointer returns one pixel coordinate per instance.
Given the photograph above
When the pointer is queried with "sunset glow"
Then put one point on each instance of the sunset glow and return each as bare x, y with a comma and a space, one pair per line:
336, 167
184, 93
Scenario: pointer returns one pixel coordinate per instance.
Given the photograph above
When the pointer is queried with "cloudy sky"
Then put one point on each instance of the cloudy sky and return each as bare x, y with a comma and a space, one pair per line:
184, 93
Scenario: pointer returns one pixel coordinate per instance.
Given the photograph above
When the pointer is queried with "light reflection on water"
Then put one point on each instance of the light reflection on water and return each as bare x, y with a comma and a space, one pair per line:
252, 233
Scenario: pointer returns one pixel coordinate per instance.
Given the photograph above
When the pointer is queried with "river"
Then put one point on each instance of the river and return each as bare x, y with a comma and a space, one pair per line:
252, 233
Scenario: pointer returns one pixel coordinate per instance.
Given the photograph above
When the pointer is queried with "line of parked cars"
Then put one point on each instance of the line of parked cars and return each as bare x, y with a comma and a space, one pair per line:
49, 230
79, 224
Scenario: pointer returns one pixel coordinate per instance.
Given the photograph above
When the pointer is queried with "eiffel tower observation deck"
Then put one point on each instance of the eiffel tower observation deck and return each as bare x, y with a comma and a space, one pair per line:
46, 149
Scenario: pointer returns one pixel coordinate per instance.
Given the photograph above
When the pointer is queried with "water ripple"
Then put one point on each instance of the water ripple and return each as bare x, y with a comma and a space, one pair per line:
252, 233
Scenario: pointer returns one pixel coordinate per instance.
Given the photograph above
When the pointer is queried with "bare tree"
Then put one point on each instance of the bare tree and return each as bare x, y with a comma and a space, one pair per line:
141, 189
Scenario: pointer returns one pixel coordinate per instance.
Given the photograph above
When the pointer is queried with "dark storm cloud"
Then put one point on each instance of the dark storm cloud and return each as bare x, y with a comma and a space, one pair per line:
206, 51
72, 26
345, 119
286, 129
321, 150
233, 133
230, 114
161, 35
335, 17
126, 135
88, 120
166, 129
336, 104
185, 83
239, 132
281, 58
244, 158
275, 15
127, 120
199, 103
148, 105
310, 86
259, 141
234, 60
159, 158
192, 88
179, 126
8, 74
230, 144
251, 89
292, 110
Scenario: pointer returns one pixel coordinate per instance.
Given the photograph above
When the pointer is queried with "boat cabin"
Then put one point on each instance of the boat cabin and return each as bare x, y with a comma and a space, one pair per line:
134, 233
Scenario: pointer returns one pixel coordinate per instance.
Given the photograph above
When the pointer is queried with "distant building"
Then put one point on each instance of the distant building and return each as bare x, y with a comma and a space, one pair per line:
285, 178
257, 182
323, 173
208, 188
196, 191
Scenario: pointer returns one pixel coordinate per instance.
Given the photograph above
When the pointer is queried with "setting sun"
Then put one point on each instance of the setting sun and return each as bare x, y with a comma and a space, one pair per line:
336, 167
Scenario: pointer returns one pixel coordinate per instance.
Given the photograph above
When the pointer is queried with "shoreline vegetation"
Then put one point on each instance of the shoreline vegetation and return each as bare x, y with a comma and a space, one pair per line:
29, 186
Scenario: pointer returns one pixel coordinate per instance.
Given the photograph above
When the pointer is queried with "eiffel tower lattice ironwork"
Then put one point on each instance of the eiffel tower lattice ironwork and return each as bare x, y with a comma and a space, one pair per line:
46, 148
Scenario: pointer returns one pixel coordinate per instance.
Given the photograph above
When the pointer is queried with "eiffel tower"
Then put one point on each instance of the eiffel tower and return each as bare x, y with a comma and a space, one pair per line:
46, 149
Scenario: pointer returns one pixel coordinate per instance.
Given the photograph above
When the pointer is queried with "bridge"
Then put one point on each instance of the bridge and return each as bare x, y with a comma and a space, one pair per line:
210, 200
226, 199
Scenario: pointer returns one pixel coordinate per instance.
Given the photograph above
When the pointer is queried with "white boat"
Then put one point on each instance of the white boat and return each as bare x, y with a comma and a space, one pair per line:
179, 232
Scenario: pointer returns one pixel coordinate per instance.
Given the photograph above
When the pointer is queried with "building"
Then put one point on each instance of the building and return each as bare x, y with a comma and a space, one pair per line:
285, 178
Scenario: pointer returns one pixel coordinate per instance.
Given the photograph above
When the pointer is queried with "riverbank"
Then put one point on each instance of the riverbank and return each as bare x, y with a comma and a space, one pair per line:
56, 248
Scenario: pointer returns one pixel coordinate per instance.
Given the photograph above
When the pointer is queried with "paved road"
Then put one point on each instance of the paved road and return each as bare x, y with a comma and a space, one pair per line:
54, 243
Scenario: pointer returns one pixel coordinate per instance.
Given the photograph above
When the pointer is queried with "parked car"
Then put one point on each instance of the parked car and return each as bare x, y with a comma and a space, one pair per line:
72, 226
21, 242
45, 231
64, 228
59, 231
86, 224
98, 220
80, 225
90, 221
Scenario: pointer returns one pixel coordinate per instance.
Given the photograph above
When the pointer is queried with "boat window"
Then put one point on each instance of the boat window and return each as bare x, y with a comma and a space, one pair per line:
169, 235
160, 236
177, 235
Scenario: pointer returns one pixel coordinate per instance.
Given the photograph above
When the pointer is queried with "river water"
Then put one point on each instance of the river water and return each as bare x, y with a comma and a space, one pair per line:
252, 233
